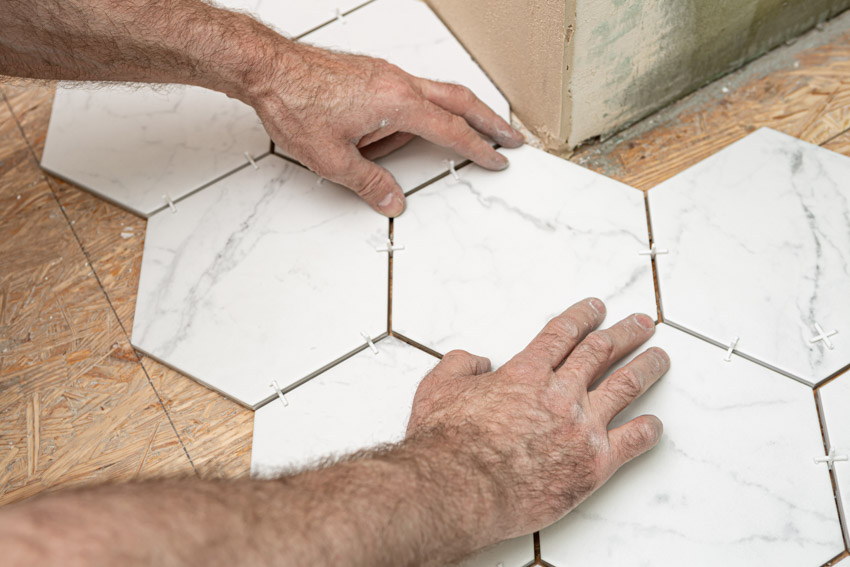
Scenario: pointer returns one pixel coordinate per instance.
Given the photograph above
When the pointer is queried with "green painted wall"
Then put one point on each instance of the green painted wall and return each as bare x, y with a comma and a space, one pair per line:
631, 57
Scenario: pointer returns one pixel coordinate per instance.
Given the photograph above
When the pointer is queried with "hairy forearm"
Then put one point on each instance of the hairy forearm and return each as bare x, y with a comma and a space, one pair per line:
416, 504
155, 41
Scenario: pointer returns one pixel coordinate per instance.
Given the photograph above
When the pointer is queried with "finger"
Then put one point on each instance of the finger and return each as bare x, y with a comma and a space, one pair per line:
560, 335
626, 384
385, 146
634, 438
459, 100
372, 182
601, 349
462, 363
450, 130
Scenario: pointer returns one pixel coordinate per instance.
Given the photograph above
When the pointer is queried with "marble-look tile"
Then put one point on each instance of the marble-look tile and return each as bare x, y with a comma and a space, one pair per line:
363, 402
835, 402
489, 259
759, 248
517, 552
265, 275
293, 18
731, 482
132, 144
408, 34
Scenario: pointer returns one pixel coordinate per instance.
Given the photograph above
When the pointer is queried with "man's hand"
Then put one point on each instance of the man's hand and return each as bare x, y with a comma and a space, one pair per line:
535, 426
336, 112
487, 456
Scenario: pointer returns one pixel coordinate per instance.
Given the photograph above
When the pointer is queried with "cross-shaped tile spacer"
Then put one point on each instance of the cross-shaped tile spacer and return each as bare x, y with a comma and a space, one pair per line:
370, 342
280, 395
823, 336
390, 248
732, 346
653, 252
831, 458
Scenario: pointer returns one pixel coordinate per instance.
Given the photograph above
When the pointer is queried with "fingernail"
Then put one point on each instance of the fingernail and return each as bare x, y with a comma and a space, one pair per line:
597, 305
644, 321
505, 165
391, 205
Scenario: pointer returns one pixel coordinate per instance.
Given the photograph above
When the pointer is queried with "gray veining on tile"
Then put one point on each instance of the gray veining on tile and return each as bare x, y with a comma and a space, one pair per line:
133, 144
759, 248
489, 259
732, 481
264, 275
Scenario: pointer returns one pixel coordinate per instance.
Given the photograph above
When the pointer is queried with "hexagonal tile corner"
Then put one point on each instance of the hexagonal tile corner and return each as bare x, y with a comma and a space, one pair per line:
732, 481
490, 257
759, 250
265, 275
363, 402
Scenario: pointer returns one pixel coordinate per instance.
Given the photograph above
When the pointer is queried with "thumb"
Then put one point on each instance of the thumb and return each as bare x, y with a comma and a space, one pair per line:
373, 183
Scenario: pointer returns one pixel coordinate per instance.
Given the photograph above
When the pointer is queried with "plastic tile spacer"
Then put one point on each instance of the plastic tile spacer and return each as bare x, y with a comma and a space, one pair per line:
732, 346
167, 199
339, 16
251, 160
390, 248
831, 459
653, 252
370, 342
280, 395
823, 336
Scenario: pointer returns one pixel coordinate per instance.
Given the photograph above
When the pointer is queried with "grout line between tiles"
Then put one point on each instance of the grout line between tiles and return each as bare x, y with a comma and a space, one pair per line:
843, 555
738, 353
413, 343
660, 312
210, 183
391, 232
833, 376
833, 475
537, 558
302, 381
51, 186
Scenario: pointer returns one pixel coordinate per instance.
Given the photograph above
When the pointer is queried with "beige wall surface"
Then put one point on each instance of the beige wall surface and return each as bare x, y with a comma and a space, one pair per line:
575, 69
524, 46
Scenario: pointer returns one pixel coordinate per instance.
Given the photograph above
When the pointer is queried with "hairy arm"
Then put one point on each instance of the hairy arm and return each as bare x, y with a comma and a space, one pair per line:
334, 112
488, 456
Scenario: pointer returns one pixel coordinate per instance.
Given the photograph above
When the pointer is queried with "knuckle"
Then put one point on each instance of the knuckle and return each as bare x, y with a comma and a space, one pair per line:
373, 184
457, 354
562, 327
600, 346
627, 384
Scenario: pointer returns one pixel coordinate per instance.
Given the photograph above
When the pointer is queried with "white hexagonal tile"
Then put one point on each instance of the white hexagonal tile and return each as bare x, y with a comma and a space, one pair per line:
363, 402
835, 403
131, 145
489, 259
293, 18
265, 275
408, 34
517, 552
759, 248
732, 481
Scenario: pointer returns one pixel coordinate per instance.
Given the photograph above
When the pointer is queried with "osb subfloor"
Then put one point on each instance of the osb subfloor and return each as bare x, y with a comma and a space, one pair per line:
78, 405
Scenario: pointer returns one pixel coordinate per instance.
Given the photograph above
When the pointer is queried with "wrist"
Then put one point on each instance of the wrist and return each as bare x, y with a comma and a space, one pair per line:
468, 483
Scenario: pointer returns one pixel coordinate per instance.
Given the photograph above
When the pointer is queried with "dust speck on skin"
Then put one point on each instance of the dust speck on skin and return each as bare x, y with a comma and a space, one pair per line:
385, 122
